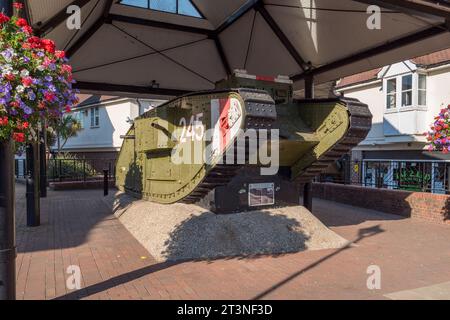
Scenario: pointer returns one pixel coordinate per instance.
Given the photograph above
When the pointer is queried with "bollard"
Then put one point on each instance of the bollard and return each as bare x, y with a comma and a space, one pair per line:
105, 182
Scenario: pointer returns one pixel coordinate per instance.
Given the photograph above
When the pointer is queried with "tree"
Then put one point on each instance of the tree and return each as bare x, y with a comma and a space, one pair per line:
66, 127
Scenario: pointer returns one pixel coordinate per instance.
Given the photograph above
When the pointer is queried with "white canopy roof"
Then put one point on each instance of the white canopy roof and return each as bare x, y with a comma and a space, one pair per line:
126, 49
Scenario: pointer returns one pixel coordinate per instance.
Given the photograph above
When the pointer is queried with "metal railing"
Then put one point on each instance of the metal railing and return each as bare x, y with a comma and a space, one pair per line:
62, 169
79, 169
421, 175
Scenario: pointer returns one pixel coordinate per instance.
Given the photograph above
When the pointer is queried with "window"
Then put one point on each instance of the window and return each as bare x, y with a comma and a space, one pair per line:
78, 115
391, 96
95, 119
407, 90
182, 7
422, 90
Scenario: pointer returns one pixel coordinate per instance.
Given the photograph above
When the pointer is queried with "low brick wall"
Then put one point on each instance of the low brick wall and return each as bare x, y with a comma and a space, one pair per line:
432, 207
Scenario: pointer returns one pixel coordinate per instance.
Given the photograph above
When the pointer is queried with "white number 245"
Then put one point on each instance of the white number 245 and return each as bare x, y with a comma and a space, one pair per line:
195, 130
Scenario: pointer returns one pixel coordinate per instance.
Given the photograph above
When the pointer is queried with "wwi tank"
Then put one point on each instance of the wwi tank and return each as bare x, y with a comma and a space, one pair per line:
183, 149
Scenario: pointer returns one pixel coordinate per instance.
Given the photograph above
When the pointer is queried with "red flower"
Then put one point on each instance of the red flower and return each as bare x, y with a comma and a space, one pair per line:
10, 77
49, 96
35, 42
25, 125
445, 150
18, 5
68, 110
19, 136
27, 81
3, 18
48, 45
4, 121
14, 104
21, 22
60, 54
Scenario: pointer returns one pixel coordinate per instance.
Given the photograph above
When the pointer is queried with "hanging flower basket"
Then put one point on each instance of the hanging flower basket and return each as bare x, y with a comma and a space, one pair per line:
35, 83
439, 136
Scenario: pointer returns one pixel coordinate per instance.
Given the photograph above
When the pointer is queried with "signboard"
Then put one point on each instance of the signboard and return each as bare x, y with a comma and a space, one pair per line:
261, 194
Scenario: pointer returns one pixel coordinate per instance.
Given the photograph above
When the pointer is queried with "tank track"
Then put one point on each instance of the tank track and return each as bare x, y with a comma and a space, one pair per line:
360, 124
260, 114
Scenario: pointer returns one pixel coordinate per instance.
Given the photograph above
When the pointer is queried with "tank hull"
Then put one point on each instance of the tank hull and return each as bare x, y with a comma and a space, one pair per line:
183, 149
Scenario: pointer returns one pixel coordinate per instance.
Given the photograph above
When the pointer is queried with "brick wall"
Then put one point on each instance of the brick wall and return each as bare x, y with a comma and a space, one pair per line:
432, 207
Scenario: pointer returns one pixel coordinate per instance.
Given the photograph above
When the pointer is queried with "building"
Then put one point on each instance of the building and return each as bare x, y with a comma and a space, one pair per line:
104, 119
404, 98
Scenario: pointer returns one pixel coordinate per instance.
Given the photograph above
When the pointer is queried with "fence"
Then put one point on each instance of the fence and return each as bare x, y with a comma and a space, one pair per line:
72, 169
421, 175
79, 169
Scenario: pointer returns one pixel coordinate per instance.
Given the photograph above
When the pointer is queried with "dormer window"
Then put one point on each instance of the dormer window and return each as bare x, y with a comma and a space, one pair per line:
181, 7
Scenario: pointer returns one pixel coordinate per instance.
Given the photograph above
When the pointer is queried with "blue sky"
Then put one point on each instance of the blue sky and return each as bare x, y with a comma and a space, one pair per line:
184, 7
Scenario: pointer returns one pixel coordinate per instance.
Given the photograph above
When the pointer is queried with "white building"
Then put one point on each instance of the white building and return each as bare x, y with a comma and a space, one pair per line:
104, 120
404, 98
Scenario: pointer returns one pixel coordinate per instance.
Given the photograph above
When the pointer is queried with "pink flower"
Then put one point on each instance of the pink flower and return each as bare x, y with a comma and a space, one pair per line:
27, 81
60, 54
18, 5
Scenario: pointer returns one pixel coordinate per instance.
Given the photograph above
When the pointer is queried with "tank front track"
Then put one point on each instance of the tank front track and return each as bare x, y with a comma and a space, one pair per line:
260, 114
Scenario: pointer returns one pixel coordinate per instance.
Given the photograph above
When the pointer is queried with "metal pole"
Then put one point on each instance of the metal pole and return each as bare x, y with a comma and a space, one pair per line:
7, 208
307, 189
43, 163
105, 182
7, 223
32, 193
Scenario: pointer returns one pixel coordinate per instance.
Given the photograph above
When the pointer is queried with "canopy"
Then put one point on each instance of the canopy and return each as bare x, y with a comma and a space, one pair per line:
124, 48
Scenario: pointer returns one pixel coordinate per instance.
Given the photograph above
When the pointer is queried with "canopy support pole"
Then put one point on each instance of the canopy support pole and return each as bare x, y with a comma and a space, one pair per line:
32, 192
43, 162
307, 188
7, 208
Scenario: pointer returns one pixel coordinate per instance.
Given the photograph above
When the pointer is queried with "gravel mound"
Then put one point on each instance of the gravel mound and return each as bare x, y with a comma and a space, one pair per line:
185, 232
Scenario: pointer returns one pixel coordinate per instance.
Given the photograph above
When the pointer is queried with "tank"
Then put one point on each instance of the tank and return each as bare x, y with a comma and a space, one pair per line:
188, 146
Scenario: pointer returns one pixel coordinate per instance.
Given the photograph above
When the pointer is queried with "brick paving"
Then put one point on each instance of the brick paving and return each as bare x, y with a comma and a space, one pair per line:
79, 229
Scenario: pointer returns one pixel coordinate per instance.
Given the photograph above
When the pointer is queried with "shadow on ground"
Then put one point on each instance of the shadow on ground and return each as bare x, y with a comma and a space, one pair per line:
245, 235
68, 219
346, 215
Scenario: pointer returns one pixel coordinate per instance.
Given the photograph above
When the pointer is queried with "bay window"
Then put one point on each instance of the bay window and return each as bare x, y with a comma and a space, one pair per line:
405, 91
